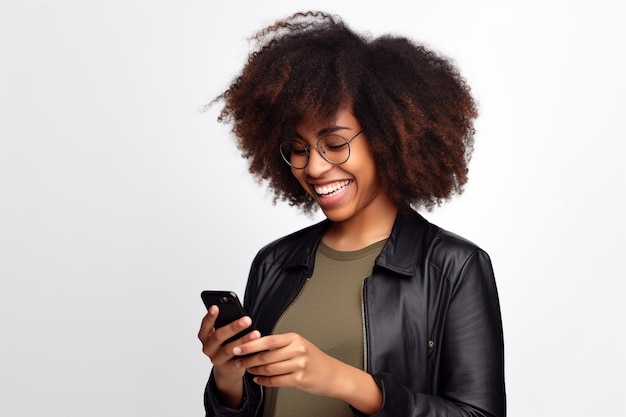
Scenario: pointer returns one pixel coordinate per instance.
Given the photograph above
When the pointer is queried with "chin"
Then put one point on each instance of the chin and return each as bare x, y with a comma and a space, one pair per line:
336, 215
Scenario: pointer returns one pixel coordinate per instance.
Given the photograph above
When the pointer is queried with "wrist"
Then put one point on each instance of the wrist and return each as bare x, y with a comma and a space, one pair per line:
360, 390
228, 377
229, 388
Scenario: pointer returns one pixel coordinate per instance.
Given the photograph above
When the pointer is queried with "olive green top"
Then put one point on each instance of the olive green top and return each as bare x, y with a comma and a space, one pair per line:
328, 313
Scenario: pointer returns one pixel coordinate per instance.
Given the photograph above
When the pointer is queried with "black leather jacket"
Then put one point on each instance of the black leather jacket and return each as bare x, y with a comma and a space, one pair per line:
432, 320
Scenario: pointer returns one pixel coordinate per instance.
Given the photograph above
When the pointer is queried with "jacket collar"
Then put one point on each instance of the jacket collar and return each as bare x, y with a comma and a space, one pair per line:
402, 253
404, 249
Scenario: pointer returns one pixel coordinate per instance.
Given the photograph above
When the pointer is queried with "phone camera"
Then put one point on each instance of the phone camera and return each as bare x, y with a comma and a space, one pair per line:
226, 300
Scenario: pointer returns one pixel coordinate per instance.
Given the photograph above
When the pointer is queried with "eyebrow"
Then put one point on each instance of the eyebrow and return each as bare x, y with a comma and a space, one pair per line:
326, 131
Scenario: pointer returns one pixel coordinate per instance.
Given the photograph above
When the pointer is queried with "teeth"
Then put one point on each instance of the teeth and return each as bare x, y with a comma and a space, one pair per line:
332, 188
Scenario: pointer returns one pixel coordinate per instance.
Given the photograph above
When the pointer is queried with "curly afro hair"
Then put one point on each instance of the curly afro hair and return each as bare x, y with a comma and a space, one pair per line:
415, 107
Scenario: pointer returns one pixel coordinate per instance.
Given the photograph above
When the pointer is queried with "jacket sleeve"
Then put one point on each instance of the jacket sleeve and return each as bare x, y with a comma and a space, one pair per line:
470, 372
252, 395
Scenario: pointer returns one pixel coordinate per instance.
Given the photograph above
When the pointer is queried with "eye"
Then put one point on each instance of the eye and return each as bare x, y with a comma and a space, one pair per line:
298, 149
334, 143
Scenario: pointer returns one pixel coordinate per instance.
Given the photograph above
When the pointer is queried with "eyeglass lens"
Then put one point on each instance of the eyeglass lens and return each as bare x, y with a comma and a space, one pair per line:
333, 148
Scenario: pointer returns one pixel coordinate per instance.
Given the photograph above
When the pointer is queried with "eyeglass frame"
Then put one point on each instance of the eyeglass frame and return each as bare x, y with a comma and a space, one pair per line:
319, 151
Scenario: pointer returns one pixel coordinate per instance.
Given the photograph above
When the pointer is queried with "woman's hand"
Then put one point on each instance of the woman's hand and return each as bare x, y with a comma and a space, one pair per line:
228, 376
290, 360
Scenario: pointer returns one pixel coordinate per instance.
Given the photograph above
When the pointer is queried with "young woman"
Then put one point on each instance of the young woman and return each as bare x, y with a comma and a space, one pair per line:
373, 311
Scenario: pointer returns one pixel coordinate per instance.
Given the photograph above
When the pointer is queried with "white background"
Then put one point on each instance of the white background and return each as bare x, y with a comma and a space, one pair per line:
120, 201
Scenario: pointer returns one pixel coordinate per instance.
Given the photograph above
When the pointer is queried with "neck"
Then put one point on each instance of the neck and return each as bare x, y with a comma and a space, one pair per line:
369, 226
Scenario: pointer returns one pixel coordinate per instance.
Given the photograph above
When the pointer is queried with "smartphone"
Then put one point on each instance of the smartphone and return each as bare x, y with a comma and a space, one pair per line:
230, 310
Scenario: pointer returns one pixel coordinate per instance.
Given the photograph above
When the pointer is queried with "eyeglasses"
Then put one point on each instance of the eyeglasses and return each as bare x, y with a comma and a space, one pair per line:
333, 148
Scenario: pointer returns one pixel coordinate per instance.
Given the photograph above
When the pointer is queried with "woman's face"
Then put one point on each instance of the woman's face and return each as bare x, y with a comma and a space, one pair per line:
346, 190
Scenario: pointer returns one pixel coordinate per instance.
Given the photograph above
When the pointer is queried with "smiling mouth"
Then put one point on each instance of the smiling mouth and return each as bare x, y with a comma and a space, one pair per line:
331, 189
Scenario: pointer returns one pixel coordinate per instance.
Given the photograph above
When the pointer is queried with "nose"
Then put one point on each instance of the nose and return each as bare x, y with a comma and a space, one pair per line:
317, 164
